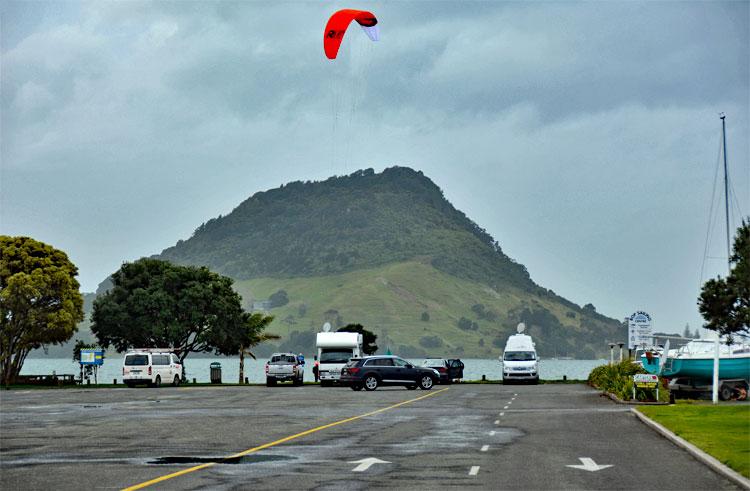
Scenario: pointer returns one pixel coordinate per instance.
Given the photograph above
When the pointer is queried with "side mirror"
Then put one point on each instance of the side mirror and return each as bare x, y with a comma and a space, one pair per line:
409, 365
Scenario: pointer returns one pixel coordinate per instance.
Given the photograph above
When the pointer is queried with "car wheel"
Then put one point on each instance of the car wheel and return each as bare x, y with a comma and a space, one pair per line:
411, 387
371, 382
356, 387
157, 382
130, 385
426, 382
270, 382
176, 380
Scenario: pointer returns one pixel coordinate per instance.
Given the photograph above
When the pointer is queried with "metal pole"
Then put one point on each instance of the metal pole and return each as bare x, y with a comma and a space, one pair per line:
726, 189
620, 345
715, 388
611, 353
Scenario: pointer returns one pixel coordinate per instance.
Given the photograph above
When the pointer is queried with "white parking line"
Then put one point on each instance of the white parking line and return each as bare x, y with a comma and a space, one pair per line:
474, 470
492, 433
505, 407
515, 394
502, 414
485, 448
510, 402
497, 421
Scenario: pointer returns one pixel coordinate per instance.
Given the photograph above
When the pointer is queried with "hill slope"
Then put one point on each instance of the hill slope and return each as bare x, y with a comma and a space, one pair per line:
344, 224
386, 250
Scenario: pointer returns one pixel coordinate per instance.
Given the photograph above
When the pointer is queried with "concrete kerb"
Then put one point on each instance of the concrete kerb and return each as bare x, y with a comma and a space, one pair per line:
696, 452
633, 403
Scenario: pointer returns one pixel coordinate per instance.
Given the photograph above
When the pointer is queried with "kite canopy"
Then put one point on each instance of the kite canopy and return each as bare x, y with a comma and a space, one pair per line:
339, 22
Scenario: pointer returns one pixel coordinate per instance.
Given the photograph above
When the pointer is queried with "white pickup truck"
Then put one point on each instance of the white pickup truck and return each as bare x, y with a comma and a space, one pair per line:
284, 367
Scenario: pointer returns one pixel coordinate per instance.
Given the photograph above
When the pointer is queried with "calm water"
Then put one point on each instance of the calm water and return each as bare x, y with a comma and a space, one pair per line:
198, 368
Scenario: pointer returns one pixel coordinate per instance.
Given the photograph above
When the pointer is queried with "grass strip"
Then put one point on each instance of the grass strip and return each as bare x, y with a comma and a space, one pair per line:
721, 431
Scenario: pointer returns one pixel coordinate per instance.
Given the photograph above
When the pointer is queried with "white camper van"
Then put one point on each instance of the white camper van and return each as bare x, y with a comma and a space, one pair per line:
520, 362
334, 351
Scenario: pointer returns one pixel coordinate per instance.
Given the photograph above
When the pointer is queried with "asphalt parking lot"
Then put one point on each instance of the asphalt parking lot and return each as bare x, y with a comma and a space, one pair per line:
468, 436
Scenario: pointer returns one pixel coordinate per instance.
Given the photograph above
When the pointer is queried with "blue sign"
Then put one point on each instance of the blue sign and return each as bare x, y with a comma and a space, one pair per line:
92, 357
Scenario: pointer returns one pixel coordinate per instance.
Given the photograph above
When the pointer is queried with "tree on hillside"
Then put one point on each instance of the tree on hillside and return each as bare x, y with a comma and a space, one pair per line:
686, 333
39, 300
725, 302
368, 337
155, 303
278, 299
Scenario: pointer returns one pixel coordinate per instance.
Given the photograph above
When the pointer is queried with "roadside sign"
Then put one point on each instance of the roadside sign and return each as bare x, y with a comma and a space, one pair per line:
645, 380
639, 330
92, 357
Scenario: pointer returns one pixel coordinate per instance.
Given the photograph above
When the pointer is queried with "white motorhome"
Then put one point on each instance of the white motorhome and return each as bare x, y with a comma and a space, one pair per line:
334, 351
520, 361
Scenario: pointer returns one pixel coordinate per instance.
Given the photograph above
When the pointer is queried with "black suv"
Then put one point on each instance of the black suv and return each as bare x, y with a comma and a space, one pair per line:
371, 372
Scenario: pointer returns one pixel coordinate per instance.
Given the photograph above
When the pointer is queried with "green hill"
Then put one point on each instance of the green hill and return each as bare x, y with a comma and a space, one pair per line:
386, 250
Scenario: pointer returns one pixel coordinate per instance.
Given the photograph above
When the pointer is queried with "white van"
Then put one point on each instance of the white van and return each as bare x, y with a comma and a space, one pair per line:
520, 362
151, 366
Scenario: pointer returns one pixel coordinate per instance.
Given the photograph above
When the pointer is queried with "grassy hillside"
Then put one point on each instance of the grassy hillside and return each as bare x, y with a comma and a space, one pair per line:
391, 300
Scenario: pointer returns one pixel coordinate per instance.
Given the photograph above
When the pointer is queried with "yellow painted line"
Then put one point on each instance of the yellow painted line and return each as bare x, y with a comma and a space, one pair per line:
278, 442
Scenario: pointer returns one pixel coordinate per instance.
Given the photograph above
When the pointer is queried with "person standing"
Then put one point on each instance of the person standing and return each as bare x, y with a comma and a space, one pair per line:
315, 367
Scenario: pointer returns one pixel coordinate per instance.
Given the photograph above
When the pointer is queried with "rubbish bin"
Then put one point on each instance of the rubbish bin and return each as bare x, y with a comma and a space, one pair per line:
215, 373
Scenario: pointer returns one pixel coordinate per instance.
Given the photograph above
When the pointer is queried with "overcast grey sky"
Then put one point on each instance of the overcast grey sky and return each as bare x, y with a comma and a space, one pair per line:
583, 136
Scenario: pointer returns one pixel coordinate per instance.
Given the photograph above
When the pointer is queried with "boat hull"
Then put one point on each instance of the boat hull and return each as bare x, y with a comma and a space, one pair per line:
700, 368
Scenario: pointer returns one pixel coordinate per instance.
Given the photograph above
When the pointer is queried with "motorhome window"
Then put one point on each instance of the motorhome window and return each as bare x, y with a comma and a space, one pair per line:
335, 355
136, 360
519, 356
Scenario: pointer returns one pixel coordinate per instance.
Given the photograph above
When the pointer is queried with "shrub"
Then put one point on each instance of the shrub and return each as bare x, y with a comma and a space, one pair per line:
618, 380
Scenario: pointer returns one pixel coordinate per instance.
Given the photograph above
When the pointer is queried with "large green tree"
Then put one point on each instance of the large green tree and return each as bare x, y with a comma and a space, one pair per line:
155, 303
248, 334
39, 300
368, 337
725, 302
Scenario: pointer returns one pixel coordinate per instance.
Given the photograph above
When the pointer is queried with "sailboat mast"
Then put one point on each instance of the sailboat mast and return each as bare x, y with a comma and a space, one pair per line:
726, 189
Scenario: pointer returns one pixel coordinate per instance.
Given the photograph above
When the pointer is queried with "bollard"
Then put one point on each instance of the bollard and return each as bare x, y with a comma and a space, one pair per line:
565, 378
88, 381
246, 381
484, 378
194, 381
114, 381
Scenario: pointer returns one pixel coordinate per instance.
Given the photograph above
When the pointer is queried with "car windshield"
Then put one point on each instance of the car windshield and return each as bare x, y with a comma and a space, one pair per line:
335, 355
433, 362
136, 360
519, 356
282, 359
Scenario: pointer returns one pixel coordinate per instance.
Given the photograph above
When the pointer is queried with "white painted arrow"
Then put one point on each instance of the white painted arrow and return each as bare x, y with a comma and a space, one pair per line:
365, 464
588, 465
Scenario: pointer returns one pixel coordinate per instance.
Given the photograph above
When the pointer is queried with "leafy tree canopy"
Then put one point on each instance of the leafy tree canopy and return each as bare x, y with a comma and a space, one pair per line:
39, 300
155, 303
368, 337
725, 302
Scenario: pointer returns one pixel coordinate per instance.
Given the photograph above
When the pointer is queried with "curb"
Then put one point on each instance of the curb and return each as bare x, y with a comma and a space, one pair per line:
696, 452
633, 403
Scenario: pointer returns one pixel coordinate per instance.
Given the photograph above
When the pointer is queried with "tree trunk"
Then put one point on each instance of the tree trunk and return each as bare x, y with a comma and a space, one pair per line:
242, 364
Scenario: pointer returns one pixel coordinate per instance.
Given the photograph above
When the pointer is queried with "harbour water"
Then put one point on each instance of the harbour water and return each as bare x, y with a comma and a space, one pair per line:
198, 368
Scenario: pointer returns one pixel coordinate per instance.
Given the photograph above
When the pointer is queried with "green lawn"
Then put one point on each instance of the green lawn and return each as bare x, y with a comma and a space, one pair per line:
722, 431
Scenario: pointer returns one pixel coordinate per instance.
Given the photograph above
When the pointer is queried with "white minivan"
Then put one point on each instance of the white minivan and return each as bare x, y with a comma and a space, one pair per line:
152, 367
520, 361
